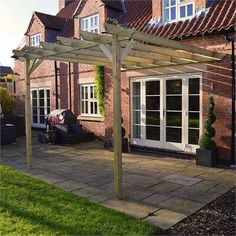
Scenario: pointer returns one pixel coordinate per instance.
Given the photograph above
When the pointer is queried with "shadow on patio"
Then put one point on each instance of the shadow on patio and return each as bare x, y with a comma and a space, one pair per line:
160, 190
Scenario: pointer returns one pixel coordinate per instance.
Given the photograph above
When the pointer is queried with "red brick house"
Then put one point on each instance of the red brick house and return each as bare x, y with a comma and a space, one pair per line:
162, 108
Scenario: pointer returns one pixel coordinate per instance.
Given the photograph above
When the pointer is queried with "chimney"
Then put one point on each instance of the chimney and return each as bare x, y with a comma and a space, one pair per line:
64, 3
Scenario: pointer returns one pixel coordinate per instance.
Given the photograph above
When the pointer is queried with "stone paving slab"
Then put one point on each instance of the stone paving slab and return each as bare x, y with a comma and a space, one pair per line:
71, 185
165, 219
135, 209
181, 179
88, 191
181, 205
49, 177
165, 187
156, 199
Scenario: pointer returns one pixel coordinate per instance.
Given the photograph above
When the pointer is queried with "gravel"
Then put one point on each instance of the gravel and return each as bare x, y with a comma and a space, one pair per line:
217, 218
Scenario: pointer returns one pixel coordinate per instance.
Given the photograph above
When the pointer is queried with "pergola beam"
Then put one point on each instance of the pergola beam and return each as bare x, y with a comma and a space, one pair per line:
124, 34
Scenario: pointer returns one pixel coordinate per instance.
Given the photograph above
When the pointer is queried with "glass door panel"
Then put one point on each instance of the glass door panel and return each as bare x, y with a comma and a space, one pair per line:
173, 112
153, 110
136, 98
194, 110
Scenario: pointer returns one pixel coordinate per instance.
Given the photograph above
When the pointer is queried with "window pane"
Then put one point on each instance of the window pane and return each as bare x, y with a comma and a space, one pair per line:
136, 117
136, 88
194, 86
193, 136
92, 21
174, 86
136, 131
91, 92
83, 93
166, 15
42, 119
173, 2
153, 103
174, 102
190, 10
152, 118
96, 20
35, 111
136, 103
182, 12
41, 102
166, 3
153, 88
35, 119
194, 120
41, 93
173, 135
86, 92
174, 118
194, 103
82, 107
96, 108
153, 133
173, 13
34, 102
42, 111
91, 108
48, 110
86, 107
82, 24
34, 94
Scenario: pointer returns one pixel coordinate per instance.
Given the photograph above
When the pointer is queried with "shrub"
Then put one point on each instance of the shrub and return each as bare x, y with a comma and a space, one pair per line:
7, 101
99, 87
205, 141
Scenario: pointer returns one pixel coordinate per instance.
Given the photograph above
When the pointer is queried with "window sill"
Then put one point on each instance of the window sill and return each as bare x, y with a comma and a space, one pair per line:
90, 118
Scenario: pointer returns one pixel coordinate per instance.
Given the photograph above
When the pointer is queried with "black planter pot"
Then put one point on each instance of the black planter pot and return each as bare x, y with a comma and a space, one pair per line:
206, 157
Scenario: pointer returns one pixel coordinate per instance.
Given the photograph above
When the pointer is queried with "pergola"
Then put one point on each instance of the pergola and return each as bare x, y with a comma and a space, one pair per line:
121, 49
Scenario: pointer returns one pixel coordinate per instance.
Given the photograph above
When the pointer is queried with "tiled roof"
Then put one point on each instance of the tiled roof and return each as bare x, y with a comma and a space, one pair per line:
69, 11
220, 16
51, 22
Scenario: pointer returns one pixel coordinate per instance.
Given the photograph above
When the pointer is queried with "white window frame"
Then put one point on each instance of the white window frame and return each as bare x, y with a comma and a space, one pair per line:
89, 100
184, 145
34, 38
177, 6
46, 105
94, 28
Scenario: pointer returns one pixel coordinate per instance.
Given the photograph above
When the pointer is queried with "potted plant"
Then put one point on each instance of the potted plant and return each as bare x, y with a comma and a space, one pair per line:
207, 153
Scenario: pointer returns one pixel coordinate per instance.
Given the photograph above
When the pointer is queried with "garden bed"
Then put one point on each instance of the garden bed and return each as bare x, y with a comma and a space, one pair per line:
218, 218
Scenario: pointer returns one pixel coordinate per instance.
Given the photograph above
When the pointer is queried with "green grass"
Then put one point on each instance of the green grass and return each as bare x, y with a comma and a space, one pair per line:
32, 207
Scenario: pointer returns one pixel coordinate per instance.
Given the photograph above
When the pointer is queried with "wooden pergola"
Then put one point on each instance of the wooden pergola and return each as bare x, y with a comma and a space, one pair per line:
121, 49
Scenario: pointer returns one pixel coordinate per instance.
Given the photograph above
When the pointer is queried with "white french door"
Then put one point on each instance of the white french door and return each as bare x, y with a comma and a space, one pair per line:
166, 112
40, 100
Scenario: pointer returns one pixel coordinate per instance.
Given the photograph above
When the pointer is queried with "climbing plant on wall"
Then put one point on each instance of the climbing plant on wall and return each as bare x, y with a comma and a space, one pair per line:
99, 87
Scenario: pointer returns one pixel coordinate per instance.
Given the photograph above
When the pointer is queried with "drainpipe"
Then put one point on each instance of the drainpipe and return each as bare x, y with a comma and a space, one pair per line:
231, 40
70, 85
56, 83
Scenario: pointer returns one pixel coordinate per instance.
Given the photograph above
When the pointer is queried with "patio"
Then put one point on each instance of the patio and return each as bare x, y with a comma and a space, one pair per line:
160, 190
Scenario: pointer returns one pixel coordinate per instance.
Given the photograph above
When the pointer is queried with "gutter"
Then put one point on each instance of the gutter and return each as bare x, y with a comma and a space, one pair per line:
232, 41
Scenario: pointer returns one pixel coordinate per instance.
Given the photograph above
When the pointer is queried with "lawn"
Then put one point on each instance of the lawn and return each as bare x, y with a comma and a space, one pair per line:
29, 206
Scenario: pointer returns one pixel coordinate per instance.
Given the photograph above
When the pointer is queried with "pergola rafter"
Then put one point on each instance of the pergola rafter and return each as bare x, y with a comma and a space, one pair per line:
120, 48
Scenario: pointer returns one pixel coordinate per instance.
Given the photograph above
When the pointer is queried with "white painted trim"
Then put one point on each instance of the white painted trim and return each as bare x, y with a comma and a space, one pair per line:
38, 125
183, 146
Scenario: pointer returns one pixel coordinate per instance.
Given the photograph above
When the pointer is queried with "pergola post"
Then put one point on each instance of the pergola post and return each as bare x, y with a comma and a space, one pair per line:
28, 132
116, 72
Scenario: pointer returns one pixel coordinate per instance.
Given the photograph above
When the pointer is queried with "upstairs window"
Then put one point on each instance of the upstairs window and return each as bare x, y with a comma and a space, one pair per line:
90, 24
174, 10
35, 40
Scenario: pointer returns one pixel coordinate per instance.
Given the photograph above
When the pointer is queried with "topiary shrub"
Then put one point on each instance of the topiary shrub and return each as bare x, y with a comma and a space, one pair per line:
205, 141
7, 101
99, 87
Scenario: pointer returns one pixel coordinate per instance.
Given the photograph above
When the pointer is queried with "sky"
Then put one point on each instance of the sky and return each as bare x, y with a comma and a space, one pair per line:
15, 17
